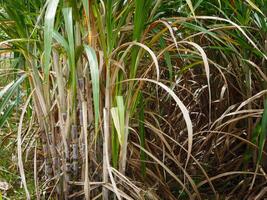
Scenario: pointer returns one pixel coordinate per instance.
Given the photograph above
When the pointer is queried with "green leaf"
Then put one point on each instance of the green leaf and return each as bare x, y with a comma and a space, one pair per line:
118, 116
6, 89
167, 58
48, 30
254, 7
93, 63
115, 116
109, 25
8, 94
7, 112
68, 19
190, 5
121, 112
139, 22
67, 13
61, 40
139, 19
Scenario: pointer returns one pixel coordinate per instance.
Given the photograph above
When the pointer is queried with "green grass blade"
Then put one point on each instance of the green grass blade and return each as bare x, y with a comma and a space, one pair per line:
139, 19
6, 114
48, 31
6, 89
8, 94
121, 113
67, 13
109, 24
61, 40
118, 116
116, 120
139, 22
93, 63
68, 19
167, 58
190, 5
254, 7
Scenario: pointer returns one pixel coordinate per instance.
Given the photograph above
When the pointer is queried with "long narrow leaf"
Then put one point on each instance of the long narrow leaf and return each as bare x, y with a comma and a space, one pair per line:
121, 113
115, 116
48, 30
6, 114
93, 63
190, 5
10, 92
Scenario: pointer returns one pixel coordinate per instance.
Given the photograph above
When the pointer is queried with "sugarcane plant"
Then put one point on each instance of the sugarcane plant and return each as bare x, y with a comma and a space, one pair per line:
98, 77
75, 60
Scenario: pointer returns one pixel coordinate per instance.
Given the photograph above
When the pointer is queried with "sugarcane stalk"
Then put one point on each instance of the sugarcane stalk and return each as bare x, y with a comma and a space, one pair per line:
74, 133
